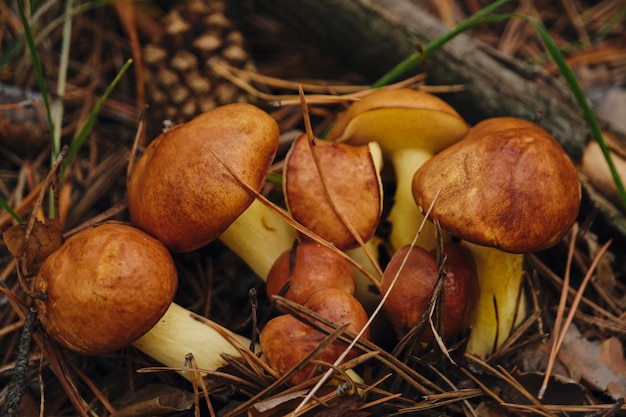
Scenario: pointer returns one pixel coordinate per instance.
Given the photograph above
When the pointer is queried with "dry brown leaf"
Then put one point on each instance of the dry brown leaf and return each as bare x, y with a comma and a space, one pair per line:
599, 364
45, 238
155, 400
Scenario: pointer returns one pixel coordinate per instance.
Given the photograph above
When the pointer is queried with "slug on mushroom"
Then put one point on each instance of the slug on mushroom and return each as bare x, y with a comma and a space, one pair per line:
410, 126
508, 188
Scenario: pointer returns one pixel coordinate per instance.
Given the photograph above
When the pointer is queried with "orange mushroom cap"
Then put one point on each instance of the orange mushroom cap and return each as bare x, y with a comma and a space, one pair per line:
104, 288
508, 184
180, 192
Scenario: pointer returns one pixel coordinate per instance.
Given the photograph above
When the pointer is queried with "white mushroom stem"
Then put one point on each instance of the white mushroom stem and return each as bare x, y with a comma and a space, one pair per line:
405, 216
500, 282
179, 333
258, 237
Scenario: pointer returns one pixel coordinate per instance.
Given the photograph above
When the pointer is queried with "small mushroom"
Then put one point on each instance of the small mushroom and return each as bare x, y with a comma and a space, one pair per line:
410, 126
338, 185
510, 186
307, 267
104, 288
415, 283
285, 340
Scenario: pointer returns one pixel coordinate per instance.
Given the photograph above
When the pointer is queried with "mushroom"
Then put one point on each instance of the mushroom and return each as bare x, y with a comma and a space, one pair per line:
416, 279
334, 189
508, 188
410, 126
104, 288
285, 340
181, 192
307, 267
111, 286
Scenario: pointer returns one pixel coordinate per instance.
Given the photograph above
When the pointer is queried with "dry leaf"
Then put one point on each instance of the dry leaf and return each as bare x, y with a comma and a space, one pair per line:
155, 400
45, 238
599, 364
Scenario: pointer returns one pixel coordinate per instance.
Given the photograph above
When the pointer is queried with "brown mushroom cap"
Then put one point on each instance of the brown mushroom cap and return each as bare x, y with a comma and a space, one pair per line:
352, 181
508, 184
416, 282
285, 340
104, 288
181, 193
310, 268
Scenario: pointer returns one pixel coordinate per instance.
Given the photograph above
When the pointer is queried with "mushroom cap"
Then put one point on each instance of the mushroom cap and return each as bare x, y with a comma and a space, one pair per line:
410, 295
310, 268
507, 185
285, 340
352, 181
398, 119
104, 288
182, 194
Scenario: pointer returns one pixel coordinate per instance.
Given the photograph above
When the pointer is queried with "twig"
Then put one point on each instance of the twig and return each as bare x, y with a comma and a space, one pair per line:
19, 380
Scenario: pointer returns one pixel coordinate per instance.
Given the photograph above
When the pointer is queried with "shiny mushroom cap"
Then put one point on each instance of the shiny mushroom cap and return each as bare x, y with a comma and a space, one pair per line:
104, 288
309, 266
285, 340
508, 184
181, 193
351, 180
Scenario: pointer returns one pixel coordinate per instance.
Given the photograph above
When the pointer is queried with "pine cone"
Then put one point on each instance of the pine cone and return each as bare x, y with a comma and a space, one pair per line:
179, 85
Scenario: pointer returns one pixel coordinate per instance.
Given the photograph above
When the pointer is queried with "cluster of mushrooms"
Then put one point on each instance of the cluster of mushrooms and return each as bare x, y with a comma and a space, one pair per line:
499, 189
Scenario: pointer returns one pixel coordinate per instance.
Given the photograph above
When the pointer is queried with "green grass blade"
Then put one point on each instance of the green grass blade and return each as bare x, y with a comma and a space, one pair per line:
30, 41
9, 210
85, 129
581, 100
414, 60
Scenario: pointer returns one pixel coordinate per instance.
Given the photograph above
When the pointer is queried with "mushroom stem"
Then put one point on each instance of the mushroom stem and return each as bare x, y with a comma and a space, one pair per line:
258, 236
500, 305
364, 294
179, 333
405, 216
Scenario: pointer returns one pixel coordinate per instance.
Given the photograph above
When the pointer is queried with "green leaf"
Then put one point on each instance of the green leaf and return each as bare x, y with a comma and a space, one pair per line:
9, 210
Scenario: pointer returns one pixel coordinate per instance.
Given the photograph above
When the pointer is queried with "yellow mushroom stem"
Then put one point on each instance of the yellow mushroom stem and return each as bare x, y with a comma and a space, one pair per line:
500, 282
258, 237
404, 215
364, 294
181, 332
